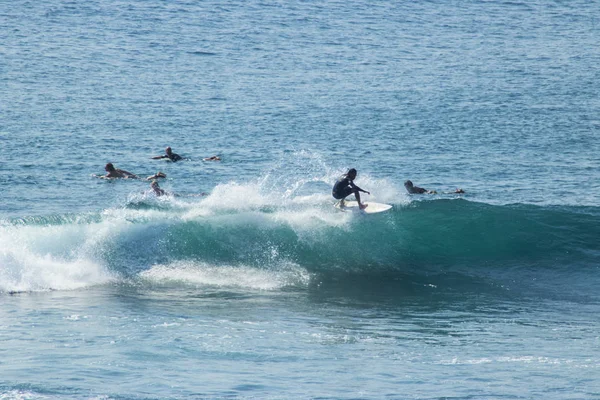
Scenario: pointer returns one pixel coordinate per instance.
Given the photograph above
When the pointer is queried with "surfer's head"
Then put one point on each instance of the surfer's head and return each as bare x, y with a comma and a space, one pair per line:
351, 173
168, 150
408, 184
109, 167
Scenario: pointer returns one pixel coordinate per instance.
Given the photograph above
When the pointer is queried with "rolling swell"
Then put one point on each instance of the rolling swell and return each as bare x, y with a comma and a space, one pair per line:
425, 233
457, 231
415, 238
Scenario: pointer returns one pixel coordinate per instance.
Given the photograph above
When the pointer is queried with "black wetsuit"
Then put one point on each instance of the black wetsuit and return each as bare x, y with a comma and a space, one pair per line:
342, 188
174, 157
415, 190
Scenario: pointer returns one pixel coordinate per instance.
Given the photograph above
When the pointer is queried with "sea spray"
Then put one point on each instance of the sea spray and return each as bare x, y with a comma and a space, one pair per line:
50, 257
306, 231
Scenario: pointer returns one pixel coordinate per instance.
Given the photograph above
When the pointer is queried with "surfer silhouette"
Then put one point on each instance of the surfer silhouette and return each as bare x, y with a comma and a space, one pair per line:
112, 172
157, 190
345, 186
412, 189
170, 155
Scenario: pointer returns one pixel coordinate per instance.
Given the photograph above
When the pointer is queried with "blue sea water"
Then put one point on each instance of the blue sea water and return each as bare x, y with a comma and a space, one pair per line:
244, 282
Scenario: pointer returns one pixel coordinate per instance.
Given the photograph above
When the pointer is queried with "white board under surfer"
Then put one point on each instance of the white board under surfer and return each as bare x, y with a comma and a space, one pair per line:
372, 207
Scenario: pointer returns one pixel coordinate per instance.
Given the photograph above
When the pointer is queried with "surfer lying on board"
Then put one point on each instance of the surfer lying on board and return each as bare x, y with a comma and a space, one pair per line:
170, 155
410, 188
345, 186
112, 172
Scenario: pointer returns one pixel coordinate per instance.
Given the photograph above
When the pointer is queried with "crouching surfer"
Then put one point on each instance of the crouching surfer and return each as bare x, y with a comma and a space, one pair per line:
345, 186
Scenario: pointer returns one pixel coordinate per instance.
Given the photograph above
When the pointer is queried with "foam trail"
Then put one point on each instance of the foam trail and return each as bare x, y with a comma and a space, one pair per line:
204, 274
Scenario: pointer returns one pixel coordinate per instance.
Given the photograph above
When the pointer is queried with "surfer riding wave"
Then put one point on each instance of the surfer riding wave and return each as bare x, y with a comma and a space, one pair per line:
345, 186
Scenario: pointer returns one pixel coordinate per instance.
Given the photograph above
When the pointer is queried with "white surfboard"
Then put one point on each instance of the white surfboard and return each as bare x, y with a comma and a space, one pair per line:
372, 207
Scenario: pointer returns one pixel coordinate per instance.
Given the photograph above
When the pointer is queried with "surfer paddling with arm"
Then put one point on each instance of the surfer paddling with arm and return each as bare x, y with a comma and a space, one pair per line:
345, 186
156, 176
112, 172
170, 155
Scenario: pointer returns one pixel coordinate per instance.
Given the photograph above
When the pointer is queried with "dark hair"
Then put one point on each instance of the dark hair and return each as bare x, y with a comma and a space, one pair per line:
109, 166
408, 183
351, 171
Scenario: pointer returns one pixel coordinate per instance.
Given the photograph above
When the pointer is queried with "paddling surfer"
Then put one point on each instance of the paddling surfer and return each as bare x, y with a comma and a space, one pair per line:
112, 172
170, 155
345, 186
412, 189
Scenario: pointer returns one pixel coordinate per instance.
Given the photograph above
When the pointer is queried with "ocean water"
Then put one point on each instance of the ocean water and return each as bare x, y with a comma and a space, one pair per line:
244, 282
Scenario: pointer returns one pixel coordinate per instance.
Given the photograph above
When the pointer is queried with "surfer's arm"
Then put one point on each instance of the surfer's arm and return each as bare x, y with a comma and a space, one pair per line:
159, 157
128, 174
359, 189
156, 176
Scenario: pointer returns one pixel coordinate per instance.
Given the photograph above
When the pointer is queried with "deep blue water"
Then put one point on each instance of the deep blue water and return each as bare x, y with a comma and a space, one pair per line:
244, 281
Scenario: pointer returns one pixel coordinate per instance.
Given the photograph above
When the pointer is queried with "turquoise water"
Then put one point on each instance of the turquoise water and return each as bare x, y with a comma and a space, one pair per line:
245, 282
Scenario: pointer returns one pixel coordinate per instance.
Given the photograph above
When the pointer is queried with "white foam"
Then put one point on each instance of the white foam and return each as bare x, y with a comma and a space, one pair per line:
167, 201
119, 217
21, 395
382, 190
307, 220
232, 197
203, 274
38, 258
291, 202
295, 194
30, 272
